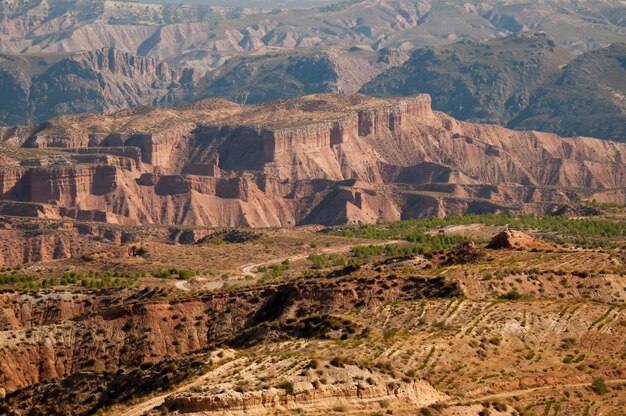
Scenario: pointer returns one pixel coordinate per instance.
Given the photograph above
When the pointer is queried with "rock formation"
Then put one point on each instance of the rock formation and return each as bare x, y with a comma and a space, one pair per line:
517, 240
325, 159
305, 395
94, 335
35, 88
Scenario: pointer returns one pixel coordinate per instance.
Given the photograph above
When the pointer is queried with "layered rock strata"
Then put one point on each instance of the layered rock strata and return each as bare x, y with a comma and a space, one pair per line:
319, 159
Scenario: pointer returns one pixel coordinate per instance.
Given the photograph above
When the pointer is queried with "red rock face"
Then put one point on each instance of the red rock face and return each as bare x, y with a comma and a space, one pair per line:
283, 164
111, 346
390, 118
9, 181
67, 139
68, 186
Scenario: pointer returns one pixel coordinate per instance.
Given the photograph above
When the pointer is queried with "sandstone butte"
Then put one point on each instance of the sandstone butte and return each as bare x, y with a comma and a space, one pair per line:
326, 159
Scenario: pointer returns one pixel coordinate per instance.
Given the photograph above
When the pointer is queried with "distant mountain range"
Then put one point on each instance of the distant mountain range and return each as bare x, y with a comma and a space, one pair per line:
37, 87
523, 82
259, 78
489, 62
205, 36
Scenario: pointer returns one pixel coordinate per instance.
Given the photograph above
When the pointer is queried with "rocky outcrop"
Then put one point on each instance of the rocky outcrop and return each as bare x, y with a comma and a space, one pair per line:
46, 236
517, 240
327, 159
100, 80
345, 206
357, 395
391, 118
116, 62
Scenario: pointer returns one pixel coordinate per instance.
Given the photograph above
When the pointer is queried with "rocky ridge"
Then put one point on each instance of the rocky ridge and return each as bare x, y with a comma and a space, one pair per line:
201, 35
255, 78
113, 345
524, 81
325, 159
38, 87
263, 53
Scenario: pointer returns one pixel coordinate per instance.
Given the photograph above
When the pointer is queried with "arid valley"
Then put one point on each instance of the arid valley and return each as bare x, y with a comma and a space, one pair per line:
268, 207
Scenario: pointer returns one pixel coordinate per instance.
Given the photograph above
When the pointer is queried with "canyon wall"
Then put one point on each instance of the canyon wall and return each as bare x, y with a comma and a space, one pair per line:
350, 159
117, 62
101, 80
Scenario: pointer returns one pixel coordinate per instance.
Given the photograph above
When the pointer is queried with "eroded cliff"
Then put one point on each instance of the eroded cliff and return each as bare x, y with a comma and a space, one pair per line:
319, 159
37, 87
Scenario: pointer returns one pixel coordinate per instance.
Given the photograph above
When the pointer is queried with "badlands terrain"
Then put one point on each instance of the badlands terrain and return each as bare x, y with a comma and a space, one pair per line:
320, 159
369, 207
481, 314
330, 254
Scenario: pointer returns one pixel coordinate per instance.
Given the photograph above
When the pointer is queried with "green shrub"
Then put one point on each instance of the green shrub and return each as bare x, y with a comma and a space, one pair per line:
130, 324
287, 386
598, 385
512, 295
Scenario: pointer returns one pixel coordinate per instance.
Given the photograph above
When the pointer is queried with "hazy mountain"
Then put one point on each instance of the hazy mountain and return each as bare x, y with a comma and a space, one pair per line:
294, 4
480, 60
588, 98
523, 82
258, 78
486, 82
206, 35
37, 87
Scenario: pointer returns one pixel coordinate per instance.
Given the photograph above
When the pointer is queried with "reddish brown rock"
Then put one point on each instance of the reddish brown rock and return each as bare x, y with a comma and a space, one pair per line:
517, 240
319, 159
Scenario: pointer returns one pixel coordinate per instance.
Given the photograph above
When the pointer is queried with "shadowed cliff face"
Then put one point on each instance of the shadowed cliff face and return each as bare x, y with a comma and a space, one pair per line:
326, 159
35, 88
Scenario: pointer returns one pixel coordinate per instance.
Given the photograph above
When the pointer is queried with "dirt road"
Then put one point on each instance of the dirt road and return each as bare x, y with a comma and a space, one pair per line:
247, 270
182, 285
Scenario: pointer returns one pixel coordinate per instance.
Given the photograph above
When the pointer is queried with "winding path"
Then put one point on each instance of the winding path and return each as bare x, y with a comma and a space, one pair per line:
247, 270
522, 392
